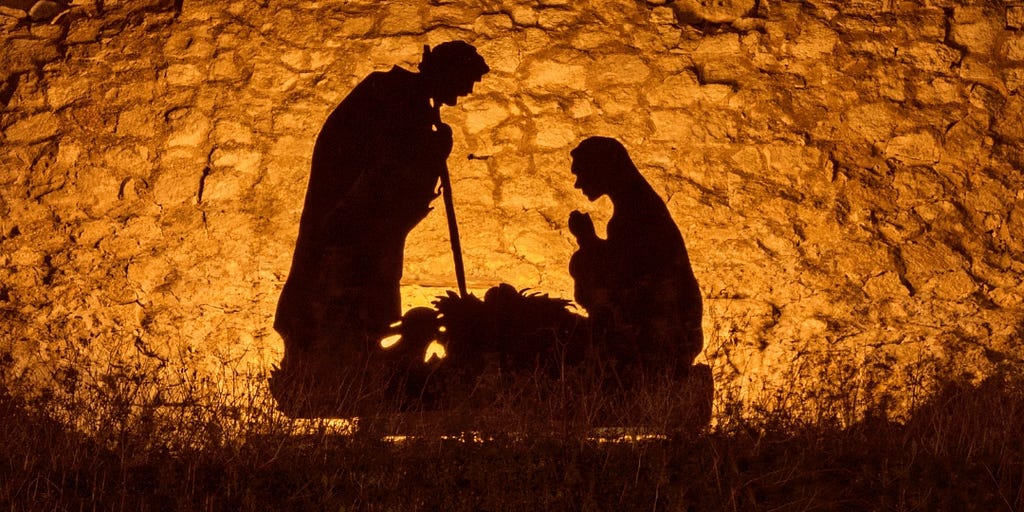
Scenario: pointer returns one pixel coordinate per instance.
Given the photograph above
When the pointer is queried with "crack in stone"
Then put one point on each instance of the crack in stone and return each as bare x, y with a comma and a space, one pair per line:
202, 184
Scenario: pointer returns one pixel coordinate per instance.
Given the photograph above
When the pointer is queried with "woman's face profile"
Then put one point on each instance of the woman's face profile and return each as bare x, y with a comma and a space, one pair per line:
586, 179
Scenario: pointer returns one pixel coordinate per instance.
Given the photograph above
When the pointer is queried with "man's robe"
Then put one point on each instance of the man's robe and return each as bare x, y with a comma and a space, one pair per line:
375, 169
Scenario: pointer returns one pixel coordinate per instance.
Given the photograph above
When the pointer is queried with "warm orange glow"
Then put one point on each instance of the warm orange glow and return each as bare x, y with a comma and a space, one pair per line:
435, 349
390, 341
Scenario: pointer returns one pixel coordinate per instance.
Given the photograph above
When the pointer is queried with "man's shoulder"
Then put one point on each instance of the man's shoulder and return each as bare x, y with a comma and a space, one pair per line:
380, 85
391, 76
377, 90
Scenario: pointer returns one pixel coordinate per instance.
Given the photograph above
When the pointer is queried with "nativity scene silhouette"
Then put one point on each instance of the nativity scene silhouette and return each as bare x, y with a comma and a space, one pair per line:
378, 164
637, 285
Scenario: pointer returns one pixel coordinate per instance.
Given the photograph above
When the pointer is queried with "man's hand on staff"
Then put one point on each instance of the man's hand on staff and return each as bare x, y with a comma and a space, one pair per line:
443, 140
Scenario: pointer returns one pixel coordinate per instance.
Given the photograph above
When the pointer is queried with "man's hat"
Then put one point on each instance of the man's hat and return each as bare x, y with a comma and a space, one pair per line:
453, 58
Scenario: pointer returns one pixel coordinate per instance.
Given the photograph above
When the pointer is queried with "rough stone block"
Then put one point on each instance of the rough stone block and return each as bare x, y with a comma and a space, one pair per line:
245, 161
103, 186
864, 7
34, 128
615, 101
357, 25
673, 125
401, 18
1008, 122
556, 19
493, 24
272, 77
184, 75
938, 91
974, 69
226, 184
137, 122
718, 46
1013, 47
44, 10
619, 70
485, 116
230, 131
523, 193
85, 30
874, 121
581, 107
128, 160
148, 273
713, 11
975, 31
177, 182
953, 286
716, 93
225, 67
928, 258
663, 15
1007, 298
188, 128
138, 235
1014, 79
64, 91
502, 56
676, 90
914, 149
554, 76
473, 191
1015, 17
291, 148
524, 16
593, 41
886, 285
15, 13
553, 134
814, 41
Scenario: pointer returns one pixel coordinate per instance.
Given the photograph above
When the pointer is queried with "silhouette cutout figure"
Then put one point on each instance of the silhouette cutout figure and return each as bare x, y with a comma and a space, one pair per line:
488, 342
637, 284
375, 171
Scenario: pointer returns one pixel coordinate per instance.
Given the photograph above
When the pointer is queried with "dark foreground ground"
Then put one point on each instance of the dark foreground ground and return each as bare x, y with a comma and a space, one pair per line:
962, 450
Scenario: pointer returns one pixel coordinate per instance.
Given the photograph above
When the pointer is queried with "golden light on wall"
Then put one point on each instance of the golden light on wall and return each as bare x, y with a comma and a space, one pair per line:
847, 178
846, 181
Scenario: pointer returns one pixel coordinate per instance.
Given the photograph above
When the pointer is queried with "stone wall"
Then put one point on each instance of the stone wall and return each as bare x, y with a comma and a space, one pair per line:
846, 174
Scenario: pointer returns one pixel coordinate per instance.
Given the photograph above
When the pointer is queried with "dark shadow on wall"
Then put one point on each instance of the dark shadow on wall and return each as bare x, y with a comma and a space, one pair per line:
637, 284
349, 350
376, 166
7, 88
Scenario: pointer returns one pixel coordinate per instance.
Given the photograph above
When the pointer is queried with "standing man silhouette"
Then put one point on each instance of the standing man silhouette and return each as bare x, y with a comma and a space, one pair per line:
637, 285
376, 166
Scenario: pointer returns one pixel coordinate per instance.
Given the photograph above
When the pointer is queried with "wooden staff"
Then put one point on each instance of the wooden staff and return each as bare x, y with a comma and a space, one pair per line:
449, 208
453, 230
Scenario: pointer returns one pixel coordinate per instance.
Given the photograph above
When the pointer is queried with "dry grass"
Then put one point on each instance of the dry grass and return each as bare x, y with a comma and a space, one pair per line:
124, 446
